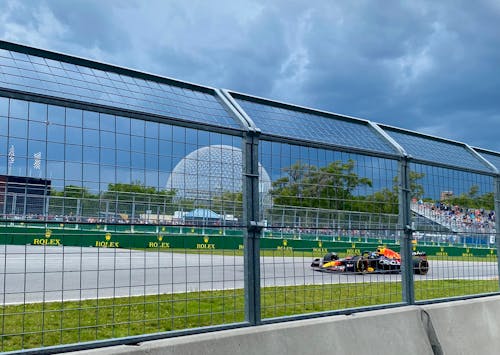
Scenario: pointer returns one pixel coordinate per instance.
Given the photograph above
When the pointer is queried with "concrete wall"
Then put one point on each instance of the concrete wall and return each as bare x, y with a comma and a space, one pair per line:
460, 327
466, 327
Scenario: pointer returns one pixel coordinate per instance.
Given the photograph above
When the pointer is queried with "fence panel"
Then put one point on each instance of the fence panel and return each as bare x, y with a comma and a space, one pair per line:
135, 207
342, 203
454, 213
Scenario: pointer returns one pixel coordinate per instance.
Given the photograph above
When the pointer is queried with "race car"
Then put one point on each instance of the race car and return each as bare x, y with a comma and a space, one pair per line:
383, 260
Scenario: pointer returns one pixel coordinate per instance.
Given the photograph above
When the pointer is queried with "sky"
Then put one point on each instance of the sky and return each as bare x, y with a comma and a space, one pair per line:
428, 66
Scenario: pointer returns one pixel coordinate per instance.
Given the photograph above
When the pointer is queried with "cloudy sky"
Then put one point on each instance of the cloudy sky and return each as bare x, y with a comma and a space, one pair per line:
430, 66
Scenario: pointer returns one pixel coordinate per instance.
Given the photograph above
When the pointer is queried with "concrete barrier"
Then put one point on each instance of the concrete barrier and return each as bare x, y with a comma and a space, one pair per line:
465, 327
459, 327
384, 332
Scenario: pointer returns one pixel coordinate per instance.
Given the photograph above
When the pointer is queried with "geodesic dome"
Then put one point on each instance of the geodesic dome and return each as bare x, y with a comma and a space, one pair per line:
212, 170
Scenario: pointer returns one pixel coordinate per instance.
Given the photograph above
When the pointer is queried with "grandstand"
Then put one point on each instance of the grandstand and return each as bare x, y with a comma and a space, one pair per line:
454, 224
456, 219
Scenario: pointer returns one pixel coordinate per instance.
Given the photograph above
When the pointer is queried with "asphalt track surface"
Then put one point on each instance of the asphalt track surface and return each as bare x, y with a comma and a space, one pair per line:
36, 273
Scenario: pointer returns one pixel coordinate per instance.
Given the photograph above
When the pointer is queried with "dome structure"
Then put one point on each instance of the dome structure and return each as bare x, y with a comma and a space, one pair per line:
212, 170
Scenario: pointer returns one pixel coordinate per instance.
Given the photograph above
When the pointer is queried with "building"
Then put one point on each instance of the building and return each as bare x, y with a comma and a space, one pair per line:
23, 196
213, 170
446, 195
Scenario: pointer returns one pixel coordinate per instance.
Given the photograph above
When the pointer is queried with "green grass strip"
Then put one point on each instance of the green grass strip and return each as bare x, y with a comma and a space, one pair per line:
56, 323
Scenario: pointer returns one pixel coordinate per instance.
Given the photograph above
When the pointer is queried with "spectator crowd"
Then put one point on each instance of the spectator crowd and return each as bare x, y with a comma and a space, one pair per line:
457, 218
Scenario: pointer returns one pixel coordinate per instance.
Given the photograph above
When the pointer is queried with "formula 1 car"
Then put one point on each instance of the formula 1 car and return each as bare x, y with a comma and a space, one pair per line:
383, 260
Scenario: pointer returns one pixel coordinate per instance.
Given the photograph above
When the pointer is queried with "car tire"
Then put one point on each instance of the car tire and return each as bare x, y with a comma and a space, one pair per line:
316, 263
360, 265
420, 267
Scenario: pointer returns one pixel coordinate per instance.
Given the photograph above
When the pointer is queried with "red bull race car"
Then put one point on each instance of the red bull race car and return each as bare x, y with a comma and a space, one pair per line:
383, 260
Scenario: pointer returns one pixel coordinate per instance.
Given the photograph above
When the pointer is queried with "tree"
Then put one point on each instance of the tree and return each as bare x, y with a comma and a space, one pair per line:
287, 190
73, 200
142, 197
416, 188
383, 201
386, 200
328, 187
336, 187
72, 191
472, 199
228, 203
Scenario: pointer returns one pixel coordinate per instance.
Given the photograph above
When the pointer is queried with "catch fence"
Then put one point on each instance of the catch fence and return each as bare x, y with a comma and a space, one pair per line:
136, 207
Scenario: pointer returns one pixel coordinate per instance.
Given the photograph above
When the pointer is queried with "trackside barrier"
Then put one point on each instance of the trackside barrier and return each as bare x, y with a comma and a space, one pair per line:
466, 327
163, 240
394, 331
458, 327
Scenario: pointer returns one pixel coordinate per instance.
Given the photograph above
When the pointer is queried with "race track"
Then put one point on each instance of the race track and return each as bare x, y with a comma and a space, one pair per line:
36, 273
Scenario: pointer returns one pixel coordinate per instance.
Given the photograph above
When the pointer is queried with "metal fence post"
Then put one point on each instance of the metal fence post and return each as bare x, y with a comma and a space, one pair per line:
408, 286
5, 187
497, 219
254, 228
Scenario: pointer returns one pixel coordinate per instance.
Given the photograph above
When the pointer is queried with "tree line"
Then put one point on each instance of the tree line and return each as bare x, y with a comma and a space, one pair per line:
335, 186
121, 196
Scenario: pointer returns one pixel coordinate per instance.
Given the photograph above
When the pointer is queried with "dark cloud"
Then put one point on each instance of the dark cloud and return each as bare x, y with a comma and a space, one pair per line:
427, 66
249, 60
419, 68
91, 24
